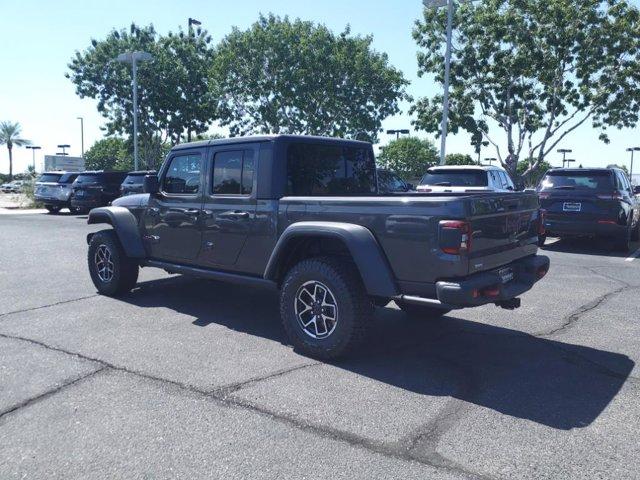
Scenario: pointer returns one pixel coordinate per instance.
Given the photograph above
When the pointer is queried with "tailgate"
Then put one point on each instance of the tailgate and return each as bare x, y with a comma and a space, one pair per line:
504, 228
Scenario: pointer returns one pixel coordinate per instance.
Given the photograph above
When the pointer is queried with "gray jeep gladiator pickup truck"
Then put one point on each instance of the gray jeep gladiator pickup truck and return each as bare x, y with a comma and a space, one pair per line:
303, 215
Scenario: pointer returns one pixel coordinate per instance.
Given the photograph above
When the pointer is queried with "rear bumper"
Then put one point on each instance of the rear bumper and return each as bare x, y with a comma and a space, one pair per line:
487, 287
88, 202
589, 228
56, 202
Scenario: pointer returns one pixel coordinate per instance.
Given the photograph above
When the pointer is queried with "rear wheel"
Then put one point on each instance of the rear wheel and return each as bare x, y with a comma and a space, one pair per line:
635, 233
541, 240
112, 272
52, 209
420, 312
623, 243
324, 307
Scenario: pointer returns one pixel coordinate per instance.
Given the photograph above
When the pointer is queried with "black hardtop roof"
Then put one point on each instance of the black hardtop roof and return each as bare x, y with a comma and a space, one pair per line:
583, 170
269, 138
98, 172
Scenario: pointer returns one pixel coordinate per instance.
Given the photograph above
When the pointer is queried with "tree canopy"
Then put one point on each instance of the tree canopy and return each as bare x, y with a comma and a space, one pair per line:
409, 157
110, 153
527, 73
175, 97
10, 135
458, 159
283, 76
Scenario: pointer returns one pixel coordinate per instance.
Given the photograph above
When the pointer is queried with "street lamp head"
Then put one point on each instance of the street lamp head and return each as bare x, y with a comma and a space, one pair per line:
564, 150
193, 21
129, 57
64, 146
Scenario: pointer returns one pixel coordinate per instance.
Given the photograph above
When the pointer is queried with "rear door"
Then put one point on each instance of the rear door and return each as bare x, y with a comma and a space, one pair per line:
229, 210
172, 218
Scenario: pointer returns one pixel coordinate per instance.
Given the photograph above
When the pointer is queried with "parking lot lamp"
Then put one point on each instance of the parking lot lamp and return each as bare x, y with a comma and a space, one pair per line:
133, 58
397, 133
33, 149
630, 149
569, 160
81, 134
64, 148
564, 152
490, 160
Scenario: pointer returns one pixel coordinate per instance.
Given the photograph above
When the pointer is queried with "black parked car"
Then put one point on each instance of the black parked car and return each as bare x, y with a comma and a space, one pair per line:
389, 182
54, 190
96, 189
133, 183
593, 202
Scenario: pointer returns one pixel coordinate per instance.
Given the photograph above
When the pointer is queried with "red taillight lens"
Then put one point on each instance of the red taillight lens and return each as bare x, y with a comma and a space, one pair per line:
541, 217
455, 237
611, 196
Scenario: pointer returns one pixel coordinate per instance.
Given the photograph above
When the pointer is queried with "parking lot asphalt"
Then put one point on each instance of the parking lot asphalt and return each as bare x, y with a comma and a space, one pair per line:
187, 378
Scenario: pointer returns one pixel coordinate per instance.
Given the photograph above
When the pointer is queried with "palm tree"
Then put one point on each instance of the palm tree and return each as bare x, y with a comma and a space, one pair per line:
10, 136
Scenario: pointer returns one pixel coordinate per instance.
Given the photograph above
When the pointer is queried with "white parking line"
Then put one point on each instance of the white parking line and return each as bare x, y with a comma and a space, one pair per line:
633, 256
17, 211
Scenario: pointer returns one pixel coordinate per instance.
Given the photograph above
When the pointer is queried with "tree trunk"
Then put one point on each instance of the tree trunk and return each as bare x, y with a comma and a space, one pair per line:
10, 163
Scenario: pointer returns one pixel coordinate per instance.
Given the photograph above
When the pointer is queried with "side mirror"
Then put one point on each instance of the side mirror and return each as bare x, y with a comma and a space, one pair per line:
150, 184
636, 190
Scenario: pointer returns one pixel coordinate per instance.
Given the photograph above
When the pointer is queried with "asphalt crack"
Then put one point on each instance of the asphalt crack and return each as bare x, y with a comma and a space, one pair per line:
223, 398
62, 302
48, 393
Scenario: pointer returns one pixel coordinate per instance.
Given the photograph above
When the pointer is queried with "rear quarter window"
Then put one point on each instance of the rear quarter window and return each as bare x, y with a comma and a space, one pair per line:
49, 177
325, 169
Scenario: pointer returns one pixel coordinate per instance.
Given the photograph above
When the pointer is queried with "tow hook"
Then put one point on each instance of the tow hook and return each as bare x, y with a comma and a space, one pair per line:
510, 304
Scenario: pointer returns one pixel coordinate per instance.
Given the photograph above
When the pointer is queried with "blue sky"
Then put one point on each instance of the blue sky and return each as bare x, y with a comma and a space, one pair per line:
39, 38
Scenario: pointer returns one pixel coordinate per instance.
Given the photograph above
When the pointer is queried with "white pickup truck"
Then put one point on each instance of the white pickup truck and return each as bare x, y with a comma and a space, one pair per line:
466, 178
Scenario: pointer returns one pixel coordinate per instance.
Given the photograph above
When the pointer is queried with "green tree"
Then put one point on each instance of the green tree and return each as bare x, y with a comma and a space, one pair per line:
527, 73
535, 174
283, 76
10, 136
175, 96
409, 157
110, 153
458, 159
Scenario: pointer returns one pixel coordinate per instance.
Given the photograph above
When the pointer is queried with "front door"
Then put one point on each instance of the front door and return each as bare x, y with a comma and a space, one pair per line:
229, 204
172, 218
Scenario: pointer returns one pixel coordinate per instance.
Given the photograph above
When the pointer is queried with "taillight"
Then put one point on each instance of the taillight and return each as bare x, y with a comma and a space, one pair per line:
542, 213
616, 195
455, 237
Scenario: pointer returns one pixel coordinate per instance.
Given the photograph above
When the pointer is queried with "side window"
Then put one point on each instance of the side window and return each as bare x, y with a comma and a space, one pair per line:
495, 181
233, 173
183, 175
506, 181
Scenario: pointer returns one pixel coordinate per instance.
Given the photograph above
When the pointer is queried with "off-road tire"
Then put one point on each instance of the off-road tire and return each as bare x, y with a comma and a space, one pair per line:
124, 269
422, 312
623, 243
354, 307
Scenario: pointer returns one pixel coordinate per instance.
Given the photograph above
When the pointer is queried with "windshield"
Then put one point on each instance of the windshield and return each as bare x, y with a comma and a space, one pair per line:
49, 177
68, 178
455, 178
595, 181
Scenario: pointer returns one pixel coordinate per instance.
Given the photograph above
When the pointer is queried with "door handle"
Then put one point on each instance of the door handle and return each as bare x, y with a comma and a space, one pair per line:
192, 211
234, 215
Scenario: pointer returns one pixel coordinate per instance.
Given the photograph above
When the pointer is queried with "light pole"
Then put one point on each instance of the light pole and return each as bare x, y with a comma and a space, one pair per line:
81, 134
397, 133
632, 149
564, 152
64, 151
133, 58
568, 160
490, 160
447, 70
33, 149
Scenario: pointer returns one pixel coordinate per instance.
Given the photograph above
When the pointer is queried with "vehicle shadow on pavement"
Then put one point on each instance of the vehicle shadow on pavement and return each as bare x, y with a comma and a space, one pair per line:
589, 246
552, 383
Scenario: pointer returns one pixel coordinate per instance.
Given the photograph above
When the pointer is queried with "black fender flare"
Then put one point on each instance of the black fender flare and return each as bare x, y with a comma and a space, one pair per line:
364, 248
125, 225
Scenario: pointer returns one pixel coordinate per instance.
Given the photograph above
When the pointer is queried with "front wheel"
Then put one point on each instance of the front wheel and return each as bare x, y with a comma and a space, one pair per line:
324, 307
623, 243
112, 272
419, 312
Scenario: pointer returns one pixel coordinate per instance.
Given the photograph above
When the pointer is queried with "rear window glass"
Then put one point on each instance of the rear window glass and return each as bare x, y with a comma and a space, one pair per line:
455, 178
90, 178
590, 181
134, 180
317, 169
49, 177
68, 178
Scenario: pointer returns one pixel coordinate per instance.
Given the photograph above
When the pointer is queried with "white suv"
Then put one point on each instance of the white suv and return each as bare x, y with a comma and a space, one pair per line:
466, 178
